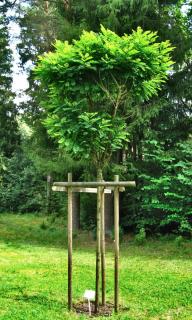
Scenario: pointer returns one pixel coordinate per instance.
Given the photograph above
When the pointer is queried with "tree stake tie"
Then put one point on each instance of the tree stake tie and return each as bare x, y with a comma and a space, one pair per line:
89, 295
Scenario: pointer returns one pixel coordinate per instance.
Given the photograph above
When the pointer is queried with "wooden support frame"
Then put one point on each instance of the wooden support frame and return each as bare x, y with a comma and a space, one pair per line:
100, 187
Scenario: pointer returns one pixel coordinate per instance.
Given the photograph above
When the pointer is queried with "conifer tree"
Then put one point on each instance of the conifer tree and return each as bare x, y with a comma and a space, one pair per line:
9, 136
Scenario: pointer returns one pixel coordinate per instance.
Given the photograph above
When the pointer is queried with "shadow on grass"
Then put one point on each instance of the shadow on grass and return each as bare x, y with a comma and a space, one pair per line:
37, 299
31, 230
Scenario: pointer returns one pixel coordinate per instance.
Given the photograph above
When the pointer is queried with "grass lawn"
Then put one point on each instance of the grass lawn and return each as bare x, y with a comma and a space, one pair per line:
155, 278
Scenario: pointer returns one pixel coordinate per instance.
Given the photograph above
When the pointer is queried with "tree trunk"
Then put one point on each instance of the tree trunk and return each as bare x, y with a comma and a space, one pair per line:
76, 210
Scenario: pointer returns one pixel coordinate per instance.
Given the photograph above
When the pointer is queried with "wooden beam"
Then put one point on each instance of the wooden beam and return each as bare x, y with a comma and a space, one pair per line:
121, 189
96, 184
79, 189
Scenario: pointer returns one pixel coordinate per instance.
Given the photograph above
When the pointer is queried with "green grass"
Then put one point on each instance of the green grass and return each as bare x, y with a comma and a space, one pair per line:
155, 278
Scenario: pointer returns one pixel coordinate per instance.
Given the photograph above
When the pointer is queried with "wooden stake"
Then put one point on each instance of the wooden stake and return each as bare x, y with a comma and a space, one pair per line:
98, 249
103, 268
70, 231
116, 229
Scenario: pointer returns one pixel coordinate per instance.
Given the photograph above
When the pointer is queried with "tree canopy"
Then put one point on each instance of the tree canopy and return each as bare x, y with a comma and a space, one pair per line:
91, 84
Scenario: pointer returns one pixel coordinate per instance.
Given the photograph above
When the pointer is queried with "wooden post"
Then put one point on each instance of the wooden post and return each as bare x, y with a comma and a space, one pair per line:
49, 191
98, 249
103, 268
116, 229
70, 231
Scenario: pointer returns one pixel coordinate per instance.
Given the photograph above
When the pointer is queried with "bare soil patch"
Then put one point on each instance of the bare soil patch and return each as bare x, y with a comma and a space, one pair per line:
107, 310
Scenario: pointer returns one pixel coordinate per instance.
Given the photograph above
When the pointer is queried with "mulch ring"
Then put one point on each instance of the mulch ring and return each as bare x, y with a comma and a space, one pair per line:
106, 311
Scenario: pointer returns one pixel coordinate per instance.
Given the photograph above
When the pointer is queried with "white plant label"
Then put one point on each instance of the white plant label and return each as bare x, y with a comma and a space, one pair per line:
90, 296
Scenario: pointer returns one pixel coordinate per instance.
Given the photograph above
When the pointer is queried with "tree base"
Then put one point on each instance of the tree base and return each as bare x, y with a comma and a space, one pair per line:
106, 311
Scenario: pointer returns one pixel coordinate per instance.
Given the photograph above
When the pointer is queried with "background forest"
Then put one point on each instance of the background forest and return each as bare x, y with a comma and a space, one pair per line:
158, 155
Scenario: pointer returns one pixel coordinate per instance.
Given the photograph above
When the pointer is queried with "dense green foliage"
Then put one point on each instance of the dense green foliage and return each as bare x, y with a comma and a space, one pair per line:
93, 83
167, 188
163, 196
22, 188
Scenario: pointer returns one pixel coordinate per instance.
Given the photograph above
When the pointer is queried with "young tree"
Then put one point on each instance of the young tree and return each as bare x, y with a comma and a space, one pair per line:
91, 85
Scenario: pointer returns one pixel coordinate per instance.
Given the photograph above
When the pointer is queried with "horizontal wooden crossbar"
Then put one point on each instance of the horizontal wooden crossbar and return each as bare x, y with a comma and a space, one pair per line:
96, 184
85, 190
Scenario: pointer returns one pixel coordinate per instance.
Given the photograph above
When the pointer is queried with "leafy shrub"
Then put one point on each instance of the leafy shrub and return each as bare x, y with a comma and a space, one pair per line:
179, 241
140, 237
166, 189
162, 199
44, 225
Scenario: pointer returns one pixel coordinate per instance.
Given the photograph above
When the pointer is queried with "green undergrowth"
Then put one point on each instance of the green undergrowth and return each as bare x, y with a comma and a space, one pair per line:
155, 277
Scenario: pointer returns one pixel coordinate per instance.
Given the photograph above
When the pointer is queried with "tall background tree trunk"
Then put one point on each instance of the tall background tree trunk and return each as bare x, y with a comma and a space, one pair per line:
49, 192
76, 210
109, 209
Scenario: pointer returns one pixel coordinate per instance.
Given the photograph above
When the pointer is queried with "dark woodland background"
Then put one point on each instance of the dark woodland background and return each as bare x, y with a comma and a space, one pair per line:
158, 156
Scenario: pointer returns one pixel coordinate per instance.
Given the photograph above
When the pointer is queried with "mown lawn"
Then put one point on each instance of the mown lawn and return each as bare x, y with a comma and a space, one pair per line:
155, 278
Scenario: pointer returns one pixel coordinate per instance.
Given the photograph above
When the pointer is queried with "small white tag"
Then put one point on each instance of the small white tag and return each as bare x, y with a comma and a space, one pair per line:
89, 295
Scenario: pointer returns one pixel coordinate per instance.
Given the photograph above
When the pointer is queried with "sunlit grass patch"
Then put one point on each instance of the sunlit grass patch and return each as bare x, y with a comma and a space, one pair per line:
155, 278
